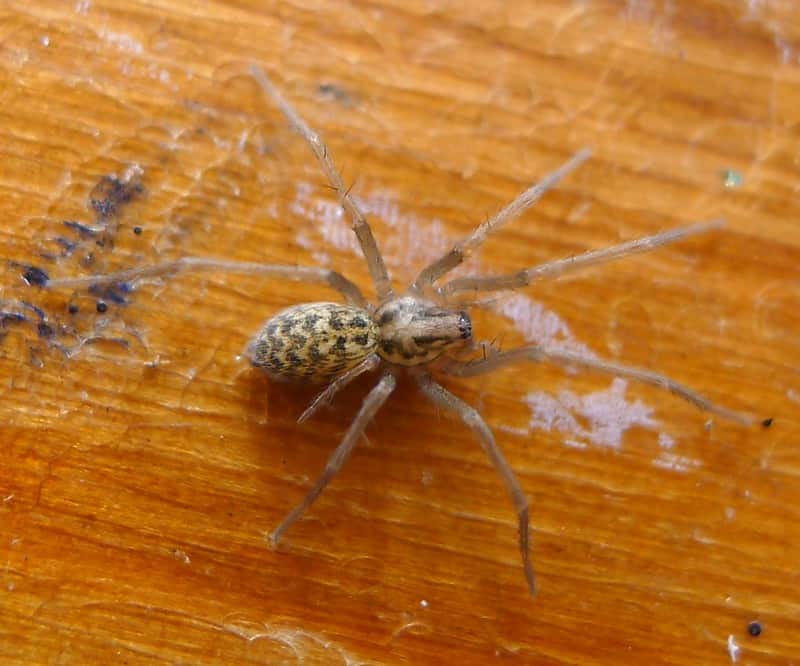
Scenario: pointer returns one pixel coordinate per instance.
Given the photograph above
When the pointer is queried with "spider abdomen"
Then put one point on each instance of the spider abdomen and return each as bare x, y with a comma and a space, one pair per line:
314, 341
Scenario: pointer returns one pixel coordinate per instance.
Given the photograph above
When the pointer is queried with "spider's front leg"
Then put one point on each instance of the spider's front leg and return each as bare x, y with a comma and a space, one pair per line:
472, 419
375, 263
554, 269
311, 274
456, 256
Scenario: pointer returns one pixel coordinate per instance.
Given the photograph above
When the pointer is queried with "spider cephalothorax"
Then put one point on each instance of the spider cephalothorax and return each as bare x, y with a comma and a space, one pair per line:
413, 331
332, 343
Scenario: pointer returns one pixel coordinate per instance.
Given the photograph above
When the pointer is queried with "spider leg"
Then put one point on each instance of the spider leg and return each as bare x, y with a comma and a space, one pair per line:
367, 365
372, 403
556, 268
567, 358
310, 274
525, 200
375, 263
469, 415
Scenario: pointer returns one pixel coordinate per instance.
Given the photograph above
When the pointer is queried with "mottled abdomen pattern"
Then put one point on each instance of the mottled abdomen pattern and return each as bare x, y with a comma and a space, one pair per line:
314, 342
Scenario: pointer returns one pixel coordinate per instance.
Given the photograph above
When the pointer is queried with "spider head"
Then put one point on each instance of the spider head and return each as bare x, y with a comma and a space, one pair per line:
412, 331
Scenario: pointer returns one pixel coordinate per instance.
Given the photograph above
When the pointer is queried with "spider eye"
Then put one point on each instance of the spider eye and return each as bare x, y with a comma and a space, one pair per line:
464, 325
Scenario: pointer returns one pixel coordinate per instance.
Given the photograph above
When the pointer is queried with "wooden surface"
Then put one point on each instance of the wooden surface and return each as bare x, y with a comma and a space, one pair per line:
137, 484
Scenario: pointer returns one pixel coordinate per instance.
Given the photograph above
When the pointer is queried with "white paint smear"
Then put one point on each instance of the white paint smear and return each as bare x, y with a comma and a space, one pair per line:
600, 418
676, 463
122, 41
665, 441
412, 240
540, 325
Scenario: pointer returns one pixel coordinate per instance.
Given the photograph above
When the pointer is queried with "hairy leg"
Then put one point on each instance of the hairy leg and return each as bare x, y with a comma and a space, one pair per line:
377, 267
372, 403
367, 365
465, 248
310, 274
566, 358
555, 268
443, 398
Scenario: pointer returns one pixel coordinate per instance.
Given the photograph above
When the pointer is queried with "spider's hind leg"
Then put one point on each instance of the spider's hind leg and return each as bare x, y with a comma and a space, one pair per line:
372, 403
324, 398
534, 353
469, 415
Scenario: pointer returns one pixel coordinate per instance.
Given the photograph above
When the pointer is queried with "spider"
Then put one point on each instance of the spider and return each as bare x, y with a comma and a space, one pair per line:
414, 332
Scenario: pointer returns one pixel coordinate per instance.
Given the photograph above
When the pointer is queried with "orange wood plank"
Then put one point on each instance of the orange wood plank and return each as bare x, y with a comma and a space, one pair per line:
137, 483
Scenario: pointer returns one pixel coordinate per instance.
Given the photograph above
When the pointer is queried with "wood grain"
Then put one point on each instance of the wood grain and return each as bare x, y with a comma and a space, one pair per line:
137, 481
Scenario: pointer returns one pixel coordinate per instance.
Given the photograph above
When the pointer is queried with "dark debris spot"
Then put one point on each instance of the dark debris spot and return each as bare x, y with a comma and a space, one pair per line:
137, 231
115, 293
72, 308
335, 92
11, 318
111, 193
68, 245
35, 276
754, 628
34, 308
101, 307
767, 422
45, 330
82, 229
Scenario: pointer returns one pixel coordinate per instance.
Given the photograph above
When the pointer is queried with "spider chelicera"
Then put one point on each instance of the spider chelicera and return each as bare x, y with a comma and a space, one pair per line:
409, 333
